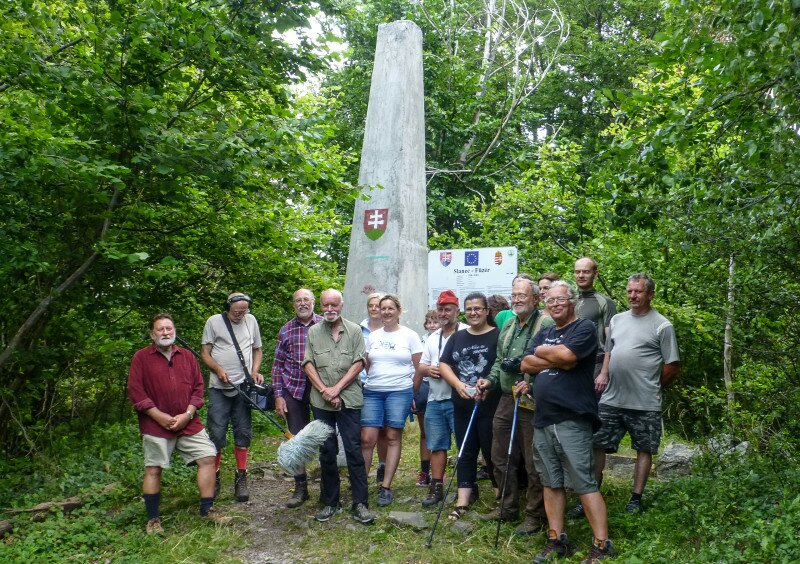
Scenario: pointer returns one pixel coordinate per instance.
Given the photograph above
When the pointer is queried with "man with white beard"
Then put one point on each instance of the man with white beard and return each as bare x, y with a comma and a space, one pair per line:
166, 389
334, 357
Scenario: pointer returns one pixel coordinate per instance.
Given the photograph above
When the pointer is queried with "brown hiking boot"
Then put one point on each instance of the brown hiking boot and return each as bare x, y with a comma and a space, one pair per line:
300, 495
530, 525
494, 515
435, 494
240, 490
154, 527
215, 516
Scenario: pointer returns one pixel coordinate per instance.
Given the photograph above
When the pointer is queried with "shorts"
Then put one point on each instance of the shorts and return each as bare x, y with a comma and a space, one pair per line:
421, 397
386, 408
158, 450
224, 409
563, 455
439, 424
644, 428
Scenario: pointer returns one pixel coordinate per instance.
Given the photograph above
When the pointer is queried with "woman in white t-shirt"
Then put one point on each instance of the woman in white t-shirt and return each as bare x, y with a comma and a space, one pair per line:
393, 353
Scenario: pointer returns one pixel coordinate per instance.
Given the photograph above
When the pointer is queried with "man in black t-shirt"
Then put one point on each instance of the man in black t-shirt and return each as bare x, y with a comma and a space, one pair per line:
562, 357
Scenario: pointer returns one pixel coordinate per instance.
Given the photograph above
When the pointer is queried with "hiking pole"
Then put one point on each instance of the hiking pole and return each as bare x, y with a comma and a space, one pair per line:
247, 398
505, 474
453, 475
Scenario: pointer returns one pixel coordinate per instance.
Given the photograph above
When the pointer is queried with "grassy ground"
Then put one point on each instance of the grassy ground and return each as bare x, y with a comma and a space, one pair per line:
730, 510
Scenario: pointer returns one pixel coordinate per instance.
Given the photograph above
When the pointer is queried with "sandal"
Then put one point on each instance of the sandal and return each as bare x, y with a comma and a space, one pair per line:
457, 513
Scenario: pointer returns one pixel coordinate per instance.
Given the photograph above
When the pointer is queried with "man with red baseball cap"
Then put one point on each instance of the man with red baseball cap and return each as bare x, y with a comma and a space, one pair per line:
439, 411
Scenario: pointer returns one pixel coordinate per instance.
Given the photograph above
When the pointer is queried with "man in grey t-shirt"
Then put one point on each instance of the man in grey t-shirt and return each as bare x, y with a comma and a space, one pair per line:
227, 406
641, 357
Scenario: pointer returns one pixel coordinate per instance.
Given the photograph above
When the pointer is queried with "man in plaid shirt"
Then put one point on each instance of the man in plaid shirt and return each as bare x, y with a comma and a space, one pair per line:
292, 398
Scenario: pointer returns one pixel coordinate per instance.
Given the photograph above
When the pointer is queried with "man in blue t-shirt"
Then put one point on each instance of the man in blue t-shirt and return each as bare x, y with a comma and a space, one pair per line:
563, 358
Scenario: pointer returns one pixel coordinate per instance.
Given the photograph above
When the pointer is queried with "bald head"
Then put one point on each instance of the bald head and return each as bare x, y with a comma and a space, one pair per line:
585, 273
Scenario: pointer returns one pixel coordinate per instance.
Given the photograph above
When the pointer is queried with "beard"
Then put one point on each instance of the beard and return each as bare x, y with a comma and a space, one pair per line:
164, 341
334, 320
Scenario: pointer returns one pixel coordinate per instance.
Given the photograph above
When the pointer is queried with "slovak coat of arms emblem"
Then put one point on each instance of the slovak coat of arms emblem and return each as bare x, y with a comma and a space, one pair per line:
375, 222
445, 257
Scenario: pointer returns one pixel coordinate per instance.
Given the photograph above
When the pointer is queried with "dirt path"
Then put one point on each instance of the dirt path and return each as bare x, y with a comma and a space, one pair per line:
272, 529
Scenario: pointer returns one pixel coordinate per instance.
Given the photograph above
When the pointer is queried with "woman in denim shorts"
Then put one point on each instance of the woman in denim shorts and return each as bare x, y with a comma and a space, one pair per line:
393, 353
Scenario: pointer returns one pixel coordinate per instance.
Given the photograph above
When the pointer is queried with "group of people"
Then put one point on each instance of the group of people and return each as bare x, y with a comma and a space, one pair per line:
544, 394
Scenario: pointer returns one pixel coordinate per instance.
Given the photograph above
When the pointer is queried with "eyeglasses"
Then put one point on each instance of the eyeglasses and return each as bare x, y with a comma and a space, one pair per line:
474, 309
519, 296
560, 300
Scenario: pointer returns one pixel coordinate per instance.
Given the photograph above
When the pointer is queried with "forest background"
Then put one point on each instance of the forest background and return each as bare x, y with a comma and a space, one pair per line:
157, 155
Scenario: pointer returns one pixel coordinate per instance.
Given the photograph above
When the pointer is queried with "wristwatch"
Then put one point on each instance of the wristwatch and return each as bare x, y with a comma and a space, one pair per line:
190, 414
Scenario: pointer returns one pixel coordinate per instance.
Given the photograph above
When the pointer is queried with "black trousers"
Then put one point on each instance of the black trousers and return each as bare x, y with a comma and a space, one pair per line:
349, 423
479, 439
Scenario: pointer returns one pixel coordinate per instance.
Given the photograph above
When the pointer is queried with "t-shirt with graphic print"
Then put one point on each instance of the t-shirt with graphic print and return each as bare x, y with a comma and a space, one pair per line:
390, 365
471, 356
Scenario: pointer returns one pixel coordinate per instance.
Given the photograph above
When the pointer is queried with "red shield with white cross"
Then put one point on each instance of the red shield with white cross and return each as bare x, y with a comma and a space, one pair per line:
375, 222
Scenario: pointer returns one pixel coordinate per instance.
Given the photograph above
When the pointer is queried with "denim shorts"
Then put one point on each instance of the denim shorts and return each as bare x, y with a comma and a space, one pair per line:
438, 424
386, 408
563, 455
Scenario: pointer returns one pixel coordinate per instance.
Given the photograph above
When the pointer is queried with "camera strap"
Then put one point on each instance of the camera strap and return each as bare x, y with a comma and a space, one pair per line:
248, 379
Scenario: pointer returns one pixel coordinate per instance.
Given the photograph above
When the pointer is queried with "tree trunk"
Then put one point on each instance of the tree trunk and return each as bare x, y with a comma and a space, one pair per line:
727, 354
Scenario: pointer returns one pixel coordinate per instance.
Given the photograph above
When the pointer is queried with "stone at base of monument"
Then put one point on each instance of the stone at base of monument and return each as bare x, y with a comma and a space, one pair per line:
463, 527
408, 519
676, 460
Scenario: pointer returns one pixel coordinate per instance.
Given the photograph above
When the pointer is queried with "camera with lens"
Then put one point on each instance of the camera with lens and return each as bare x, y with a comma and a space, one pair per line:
511, 364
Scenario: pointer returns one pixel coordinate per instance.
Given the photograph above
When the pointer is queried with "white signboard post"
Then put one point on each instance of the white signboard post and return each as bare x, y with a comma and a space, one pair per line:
488, 270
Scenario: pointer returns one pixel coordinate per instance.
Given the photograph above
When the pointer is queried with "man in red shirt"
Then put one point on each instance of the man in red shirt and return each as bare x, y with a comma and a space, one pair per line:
166, 389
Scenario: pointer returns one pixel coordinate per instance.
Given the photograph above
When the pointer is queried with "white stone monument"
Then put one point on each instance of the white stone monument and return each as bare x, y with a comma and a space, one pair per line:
388, 243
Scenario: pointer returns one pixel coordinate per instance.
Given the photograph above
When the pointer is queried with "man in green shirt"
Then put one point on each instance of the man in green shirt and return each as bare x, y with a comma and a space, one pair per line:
334, 358
514, 339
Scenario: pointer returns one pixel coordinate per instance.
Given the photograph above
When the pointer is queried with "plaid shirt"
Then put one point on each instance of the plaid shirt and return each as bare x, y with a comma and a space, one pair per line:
287, 370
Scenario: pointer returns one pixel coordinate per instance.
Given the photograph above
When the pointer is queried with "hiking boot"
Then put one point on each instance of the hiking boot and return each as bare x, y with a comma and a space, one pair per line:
423, 479
576, 512
300, 495
215, 516
530, 525
154, 527
599, 552
240, 491
634, 506
380, 474
217, 485
435, 494
483, 474
556, 547
494, 515
327, 512
385, 497
362, 514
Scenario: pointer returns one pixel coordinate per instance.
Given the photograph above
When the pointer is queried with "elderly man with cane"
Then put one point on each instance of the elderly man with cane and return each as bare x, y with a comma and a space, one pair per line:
515, 410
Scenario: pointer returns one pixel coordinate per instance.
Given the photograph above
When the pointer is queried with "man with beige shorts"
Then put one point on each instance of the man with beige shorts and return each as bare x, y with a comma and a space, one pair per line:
166, 389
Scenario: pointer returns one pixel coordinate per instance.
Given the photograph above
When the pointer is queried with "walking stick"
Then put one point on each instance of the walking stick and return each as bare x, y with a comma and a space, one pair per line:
453, 475
505, 474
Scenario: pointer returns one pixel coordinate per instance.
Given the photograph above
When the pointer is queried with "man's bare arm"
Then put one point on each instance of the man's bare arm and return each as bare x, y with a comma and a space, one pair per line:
669, 372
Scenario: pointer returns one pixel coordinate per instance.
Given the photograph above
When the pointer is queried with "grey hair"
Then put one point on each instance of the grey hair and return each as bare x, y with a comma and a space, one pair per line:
375, 295
333, 291
573, 295
522, 277
648, 282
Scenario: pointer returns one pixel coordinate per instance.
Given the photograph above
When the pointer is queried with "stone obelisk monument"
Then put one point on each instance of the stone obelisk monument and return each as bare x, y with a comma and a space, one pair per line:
388, 244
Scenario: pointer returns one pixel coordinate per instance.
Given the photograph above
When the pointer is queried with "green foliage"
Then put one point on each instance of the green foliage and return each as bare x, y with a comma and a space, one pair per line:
153, 156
